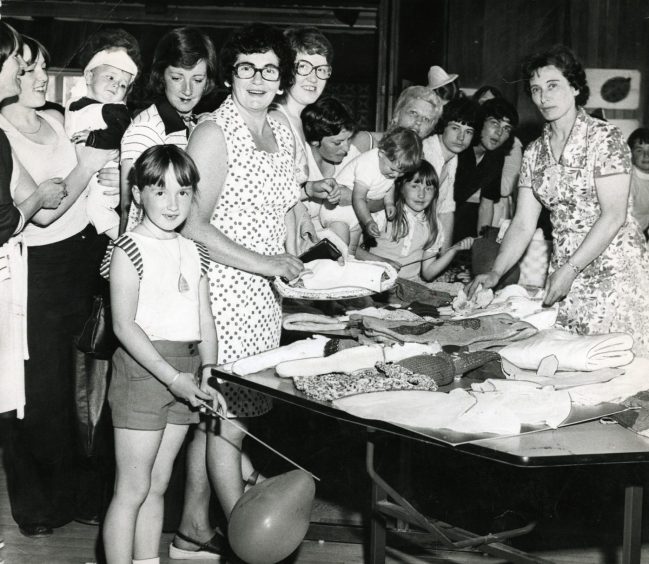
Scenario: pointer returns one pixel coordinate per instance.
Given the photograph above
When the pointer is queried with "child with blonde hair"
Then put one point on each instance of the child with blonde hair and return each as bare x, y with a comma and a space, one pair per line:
371, 177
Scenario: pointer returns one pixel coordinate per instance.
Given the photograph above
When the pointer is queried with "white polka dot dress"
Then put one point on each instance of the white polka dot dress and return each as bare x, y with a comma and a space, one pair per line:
259, 189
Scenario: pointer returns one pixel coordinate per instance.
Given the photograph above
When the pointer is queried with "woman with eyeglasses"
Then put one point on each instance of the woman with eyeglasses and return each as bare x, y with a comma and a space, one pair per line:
246, 163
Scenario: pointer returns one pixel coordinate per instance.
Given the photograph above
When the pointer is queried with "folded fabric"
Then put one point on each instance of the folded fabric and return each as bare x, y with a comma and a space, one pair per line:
480, 300
574, 352
422, 410
515, 301
325, 274
313, 322
306, 348
406, 291
633, 380
353, 359
384, 377
561, 380
386, 313
501, 328
479, 413
525, 403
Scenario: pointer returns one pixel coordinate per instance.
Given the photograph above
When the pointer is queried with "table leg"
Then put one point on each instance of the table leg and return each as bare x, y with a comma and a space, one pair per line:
377, 520
632, 542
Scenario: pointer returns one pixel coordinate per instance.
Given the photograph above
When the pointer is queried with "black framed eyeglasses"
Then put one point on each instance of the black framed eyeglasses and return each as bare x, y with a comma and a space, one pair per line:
305, 68
248, 70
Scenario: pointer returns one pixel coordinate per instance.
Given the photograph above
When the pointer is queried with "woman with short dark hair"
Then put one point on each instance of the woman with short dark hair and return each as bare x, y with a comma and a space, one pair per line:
184, 70
579, 169
246, 164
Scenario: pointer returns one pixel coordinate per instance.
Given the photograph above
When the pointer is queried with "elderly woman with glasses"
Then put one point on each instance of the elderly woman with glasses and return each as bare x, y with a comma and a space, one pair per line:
246, 163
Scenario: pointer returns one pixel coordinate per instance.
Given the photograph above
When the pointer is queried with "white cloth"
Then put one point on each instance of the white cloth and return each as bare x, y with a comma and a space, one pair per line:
326, 274
561, 380
574, 352
305, 348
635, 379
503, 410
353, 359
13, 325
517, 302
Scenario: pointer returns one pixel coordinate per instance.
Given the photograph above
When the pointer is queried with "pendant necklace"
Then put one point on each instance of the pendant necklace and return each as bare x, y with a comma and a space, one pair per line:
183, 285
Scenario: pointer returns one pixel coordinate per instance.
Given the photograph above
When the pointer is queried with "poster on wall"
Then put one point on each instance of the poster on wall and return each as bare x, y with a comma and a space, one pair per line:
613, 89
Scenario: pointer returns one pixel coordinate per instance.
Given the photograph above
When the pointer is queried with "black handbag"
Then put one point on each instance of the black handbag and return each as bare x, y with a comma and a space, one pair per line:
97, 338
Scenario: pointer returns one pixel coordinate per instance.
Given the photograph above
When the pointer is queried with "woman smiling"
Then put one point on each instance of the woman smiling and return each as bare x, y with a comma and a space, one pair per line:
246, 165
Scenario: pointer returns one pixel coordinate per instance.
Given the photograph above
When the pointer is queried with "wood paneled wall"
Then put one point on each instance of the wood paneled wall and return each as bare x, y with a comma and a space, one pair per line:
488, 38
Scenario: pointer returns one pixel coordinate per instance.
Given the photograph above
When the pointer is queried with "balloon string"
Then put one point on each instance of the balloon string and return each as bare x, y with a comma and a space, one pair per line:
224, 418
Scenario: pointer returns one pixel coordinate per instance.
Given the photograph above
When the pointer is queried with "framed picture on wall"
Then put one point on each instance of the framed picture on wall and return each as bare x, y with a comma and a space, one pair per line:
62, 83
613, 89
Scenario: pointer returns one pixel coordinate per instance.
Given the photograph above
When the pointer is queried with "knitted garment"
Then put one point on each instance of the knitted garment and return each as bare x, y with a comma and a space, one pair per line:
443, 367
405, 292
498, 329
384, 377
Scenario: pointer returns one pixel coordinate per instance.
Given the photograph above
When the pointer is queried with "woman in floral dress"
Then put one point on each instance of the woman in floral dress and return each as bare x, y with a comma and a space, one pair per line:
579, 169
246, 163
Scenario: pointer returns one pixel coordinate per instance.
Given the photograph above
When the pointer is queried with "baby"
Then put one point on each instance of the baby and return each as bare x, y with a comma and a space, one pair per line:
100, 119
371, 176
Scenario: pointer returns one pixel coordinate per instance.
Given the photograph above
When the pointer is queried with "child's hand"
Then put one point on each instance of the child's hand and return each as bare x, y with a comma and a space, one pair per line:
464, 244
372, 228
390, 211
184, 387
218, 401
80, 136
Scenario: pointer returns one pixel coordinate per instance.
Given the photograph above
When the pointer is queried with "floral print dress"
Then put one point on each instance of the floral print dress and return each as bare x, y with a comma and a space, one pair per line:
612, 293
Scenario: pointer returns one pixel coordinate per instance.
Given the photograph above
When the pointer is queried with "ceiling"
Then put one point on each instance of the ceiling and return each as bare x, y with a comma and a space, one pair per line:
347, 15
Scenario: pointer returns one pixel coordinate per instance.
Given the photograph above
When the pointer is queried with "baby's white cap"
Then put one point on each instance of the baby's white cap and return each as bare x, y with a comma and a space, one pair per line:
117, 58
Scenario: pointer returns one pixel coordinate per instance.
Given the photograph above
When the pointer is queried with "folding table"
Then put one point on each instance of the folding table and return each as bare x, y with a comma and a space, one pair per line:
587, 443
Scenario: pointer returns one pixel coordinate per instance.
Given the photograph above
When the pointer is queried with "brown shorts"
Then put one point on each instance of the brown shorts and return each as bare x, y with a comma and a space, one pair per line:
138, 400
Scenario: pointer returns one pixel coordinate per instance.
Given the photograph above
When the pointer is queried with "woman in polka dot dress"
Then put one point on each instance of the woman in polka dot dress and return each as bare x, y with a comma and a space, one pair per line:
247, 185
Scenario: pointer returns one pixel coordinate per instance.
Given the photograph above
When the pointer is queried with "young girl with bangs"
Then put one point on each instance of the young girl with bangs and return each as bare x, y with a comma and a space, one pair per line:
412, 241
163, 320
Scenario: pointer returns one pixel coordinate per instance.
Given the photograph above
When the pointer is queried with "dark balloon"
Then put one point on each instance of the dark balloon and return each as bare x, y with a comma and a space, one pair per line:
270, 520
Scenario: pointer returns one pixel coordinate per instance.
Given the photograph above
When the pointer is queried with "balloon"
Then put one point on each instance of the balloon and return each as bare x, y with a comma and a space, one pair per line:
270, 520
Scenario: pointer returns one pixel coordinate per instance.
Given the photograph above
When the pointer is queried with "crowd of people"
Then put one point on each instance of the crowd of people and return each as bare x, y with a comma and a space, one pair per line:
195, 215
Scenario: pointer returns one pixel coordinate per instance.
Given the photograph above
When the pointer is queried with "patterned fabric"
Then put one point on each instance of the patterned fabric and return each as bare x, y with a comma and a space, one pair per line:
259, 189
612, 293
384, 377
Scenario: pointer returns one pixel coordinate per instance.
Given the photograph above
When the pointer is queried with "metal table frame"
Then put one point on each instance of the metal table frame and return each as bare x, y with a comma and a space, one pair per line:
587, 443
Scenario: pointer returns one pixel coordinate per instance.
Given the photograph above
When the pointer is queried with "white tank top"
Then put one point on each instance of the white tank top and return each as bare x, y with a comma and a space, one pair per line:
43, 162
165, 312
